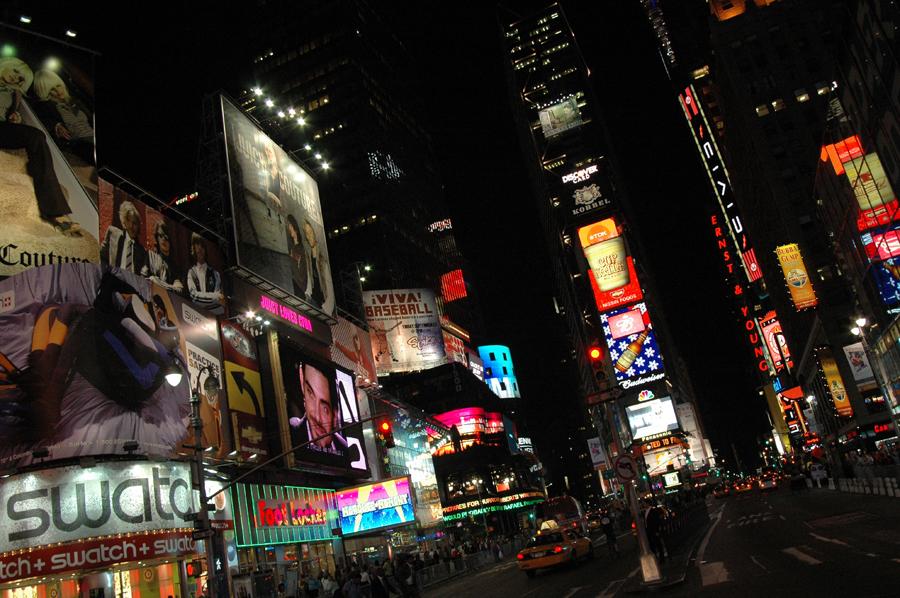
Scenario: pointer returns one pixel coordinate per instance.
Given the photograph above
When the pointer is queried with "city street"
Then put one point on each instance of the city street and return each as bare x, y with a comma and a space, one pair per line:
818, 542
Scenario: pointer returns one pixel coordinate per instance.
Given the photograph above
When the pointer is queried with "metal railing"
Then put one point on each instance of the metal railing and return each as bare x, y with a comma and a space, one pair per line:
467, 563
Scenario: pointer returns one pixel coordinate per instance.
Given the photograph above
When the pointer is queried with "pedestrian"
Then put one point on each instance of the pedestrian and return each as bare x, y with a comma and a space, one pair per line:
328, 586
351, 588
609, 531
365, 583
313, 585
655, 524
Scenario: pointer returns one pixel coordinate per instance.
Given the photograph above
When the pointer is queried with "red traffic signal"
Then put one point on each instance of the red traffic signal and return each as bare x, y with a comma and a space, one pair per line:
193, 568
595, 354
385, 430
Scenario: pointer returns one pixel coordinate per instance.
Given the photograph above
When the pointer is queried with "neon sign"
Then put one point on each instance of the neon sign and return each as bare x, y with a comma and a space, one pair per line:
579, 176
285, 313
284, 514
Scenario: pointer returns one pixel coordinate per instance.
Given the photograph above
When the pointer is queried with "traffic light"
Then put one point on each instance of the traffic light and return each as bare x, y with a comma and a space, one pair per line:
595, 356
193, 568
385, 431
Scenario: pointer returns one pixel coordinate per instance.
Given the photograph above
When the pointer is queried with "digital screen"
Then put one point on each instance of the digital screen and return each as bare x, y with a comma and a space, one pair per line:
776, 341
383, 504
873, 191
560, 117
652, 418
671, 479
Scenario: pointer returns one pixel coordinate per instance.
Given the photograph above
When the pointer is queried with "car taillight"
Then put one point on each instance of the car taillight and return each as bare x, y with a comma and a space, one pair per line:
557, 549
520, 556
633, 525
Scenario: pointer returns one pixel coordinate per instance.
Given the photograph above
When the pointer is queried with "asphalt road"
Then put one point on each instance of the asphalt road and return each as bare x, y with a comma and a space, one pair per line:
813, 543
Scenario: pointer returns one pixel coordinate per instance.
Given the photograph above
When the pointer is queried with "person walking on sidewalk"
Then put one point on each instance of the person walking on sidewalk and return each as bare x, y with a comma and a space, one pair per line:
656, 519
606, 523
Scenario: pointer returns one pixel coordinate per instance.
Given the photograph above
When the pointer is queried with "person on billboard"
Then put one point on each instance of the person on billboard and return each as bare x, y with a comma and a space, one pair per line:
317, 292
299, 271
159, 267
70, 123
204, 283
272, 170
15, 80
121, 247
319, 417
363, 365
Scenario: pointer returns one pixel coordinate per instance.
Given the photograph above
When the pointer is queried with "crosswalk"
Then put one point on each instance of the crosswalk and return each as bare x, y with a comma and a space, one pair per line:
751, 519
716, 572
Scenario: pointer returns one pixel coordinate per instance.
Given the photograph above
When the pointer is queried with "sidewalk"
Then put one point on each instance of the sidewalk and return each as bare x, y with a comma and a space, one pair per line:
675, 568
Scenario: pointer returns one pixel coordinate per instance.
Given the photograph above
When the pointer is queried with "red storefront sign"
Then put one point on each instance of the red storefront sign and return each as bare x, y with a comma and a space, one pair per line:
93, 554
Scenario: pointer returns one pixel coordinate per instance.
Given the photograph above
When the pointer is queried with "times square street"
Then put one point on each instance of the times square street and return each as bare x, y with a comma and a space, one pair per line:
784, 543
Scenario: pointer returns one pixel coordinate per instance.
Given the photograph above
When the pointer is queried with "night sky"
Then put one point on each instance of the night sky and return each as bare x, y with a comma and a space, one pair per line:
155, 68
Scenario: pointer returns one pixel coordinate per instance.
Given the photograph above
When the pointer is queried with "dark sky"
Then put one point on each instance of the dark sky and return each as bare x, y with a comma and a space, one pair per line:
156, 66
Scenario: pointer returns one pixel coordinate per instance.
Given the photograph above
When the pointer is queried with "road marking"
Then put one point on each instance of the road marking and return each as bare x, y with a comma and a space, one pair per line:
871, 554
782, 517
572, 592
713, 573
831, 540
606, 593
761, 566
802, 556
709, 532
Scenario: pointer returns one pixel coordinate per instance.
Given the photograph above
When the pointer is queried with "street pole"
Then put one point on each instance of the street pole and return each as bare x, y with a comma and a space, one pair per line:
213, 560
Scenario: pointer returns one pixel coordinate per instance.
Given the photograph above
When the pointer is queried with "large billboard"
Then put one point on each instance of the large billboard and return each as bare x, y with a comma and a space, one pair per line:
48, 185
320, 400
279, 231
796, 276
380, 505
352, 348
652, 419
586, 189
873, 191
636, 357
244, 389
85, 353
560, 117
612, 274
141, 240
405, 328
835, 383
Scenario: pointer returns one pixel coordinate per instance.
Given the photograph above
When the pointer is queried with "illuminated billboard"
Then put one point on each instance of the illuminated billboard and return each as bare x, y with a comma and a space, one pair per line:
352, 348
277, 514
278, 226
873, 191
141, 240
244, 389
48, 191
560, 117
388, 503
882, 245
320, 400
775, 340
405, 328
796, 276
652, 419
841, 152
453, 286
626, 323
859, 363
636, 358
835, 383
612, 274
586, 189
85, 353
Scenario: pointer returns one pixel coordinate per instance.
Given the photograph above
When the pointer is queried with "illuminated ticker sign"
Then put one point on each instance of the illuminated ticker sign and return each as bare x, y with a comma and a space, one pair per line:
718, 177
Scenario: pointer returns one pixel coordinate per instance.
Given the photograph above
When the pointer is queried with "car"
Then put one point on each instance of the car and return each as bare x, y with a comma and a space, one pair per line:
767, 483
723, 491
743, 486
553, 548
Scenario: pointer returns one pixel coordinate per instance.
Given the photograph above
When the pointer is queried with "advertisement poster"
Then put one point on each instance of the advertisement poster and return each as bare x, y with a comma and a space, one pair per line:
776, 341
876, 199
278, 223
560, 117
835, 383
636, 358
352, 348
796, 276
455, 348
244, 389
586, 189
375, 506
598, 455
405, 328
139, 239
882, 245
652, 419
85, 352
859, 363
48, 177
282, 514
612, 274
319, 403
886, 275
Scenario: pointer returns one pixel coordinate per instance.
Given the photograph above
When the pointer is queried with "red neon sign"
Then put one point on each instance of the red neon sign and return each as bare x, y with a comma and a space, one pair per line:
285, 313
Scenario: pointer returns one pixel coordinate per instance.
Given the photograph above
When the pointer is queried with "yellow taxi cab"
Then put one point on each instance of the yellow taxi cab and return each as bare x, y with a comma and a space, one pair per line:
552, 547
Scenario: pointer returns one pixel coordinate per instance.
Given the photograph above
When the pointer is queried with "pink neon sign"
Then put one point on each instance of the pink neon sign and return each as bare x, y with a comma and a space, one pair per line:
285, 313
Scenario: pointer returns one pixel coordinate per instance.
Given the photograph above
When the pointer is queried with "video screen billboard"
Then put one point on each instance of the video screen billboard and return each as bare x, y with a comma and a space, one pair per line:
560, 117
139, 239
320, 401
85, 352
48, 187
279, 231
387, 503
405, 328
652, 419
636, 357
612, 274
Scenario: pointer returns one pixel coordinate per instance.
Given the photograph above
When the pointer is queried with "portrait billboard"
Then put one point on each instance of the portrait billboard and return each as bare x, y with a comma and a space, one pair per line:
48, 187
560, 117
796, 276
835, 383
352, 348
636, 358
859, 363
405, 328
320, 400
244, 390
85, 353
652, 419
139, 239
388, 503
278, 225
612, 275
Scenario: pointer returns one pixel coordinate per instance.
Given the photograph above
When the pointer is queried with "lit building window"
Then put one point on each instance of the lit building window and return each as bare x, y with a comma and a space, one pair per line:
382, 166
801, 95
762, 110
778, 104
822, 88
